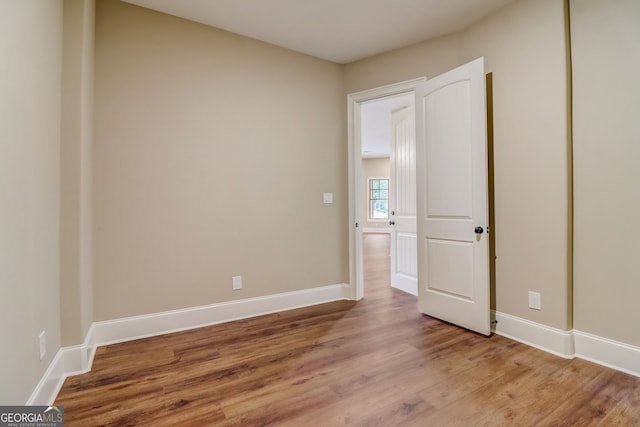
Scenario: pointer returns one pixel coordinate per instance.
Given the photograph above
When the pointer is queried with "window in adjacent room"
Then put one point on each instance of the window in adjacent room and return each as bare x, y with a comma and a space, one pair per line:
378, 198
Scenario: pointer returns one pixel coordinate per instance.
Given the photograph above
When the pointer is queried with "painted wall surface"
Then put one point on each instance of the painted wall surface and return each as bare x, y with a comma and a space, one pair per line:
211, 151
373, 168
76, 287
30, 64
525, 49
211, 155
606, 108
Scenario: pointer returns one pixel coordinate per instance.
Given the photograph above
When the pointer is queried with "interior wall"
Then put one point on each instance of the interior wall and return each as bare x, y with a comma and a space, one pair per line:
211, 155
30, 63
178, 211
76, 285
606, 131
524, 45
373, 168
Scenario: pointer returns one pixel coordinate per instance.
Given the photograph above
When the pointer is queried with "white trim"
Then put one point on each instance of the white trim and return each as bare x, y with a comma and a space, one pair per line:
78, 359
369, 189
413, 290
540, 336
569, 344
50, 383
68, 361
131, 328
373, 230
603, 351
355, 174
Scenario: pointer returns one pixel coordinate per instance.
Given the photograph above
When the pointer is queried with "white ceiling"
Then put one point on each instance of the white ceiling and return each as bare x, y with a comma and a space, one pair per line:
341, 31
375, 120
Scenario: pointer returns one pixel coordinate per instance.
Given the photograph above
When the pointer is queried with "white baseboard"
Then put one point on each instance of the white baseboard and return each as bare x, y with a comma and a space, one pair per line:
544, 337
569, 344
411, 289
50, 383
603, 351
374, 230
68, 361
78, 359
130, 328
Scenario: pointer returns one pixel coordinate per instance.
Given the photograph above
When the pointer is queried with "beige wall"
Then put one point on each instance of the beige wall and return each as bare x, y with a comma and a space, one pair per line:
30, 62
76, 293
372, 168
606, 96
211, 155
524, 45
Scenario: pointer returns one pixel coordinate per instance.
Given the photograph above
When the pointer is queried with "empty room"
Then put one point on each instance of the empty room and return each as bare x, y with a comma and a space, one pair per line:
192, 232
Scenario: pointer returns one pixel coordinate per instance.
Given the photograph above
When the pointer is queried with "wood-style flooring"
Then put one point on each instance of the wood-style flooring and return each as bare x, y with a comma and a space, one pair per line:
376, 362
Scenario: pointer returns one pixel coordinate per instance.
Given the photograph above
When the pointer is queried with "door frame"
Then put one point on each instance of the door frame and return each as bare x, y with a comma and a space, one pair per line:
354, 102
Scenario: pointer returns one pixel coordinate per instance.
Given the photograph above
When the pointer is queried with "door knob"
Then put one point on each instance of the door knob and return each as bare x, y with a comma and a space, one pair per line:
392, 223
479, 230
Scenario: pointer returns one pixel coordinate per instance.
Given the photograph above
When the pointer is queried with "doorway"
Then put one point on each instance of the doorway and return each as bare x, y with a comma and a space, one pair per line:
452, 194
369, 138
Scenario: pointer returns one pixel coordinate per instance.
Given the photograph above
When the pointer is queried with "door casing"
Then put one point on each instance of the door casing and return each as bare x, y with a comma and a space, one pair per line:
354, 102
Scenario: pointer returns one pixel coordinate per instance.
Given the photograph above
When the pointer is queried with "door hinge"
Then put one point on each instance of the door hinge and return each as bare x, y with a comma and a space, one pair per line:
356, 225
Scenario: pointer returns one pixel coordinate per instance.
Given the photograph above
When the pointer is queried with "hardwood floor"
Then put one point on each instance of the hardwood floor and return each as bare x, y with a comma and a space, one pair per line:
376, 362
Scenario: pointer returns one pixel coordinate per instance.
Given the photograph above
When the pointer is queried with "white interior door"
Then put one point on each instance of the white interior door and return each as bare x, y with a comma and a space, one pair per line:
453, 245
402, 201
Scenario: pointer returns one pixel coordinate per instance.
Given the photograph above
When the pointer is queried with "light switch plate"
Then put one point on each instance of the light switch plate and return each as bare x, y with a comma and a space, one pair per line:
327, 197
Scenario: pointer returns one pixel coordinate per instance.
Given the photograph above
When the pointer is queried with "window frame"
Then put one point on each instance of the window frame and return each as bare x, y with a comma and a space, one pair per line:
369, 199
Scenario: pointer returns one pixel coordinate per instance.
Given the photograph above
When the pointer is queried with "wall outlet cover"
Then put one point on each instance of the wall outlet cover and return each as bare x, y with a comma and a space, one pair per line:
535, 300
237, 282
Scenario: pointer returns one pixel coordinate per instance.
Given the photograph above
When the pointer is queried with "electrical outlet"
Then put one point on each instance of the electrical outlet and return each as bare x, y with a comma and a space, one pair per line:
43, 344
535, 301
237, 282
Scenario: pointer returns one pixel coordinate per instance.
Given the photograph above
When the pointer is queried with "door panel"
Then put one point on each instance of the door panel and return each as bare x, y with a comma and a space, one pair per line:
449, 172
452, 194
406, 255
449, 270
402, 201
